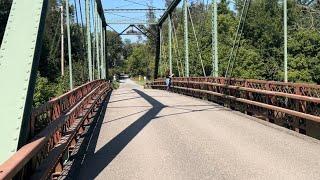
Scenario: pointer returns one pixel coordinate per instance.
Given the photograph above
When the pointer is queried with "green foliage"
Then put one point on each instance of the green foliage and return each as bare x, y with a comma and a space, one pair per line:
5, 6
140, 61
43, 91
260, 54
49, 81
115, 84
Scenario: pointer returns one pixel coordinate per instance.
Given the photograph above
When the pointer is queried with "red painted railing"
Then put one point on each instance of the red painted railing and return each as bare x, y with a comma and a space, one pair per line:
293, 105
55, 128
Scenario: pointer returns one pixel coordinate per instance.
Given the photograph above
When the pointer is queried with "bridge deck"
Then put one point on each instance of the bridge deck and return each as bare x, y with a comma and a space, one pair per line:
152, 134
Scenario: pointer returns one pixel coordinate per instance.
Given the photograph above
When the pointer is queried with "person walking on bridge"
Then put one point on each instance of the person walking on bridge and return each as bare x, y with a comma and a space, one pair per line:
169, 80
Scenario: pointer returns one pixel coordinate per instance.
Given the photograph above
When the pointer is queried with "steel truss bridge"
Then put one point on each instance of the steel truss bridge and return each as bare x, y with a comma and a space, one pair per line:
239, 129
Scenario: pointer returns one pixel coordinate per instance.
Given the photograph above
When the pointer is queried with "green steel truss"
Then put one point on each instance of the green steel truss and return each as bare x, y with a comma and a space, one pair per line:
19, 57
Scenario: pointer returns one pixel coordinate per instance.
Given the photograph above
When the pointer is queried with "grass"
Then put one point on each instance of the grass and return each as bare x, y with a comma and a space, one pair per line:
142, 82
115, 84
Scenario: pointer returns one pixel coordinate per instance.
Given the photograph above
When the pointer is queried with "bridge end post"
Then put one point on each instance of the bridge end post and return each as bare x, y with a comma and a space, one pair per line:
19, 59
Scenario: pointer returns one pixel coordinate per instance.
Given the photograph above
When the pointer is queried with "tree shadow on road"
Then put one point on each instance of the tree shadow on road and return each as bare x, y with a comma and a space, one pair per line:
96, 162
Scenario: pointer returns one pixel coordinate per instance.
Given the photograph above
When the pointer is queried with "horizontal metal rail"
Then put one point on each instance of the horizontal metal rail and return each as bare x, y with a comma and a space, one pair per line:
293, 105
43, 157
43, 115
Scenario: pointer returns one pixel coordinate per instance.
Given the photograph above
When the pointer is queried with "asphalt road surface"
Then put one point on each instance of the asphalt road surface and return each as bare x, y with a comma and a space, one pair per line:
153, 134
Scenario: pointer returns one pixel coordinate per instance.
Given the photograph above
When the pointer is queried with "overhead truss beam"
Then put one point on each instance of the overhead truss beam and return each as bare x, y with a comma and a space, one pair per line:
170, 9
136, 23
146, 9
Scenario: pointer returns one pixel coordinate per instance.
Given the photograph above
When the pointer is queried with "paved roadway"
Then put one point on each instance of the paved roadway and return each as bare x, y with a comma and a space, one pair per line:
152, 134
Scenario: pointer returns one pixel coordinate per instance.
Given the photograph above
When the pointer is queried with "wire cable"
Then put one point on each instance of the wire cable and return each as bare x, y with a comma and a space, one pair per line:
177, 44
197, 43
236, 37
133, 2
239, 42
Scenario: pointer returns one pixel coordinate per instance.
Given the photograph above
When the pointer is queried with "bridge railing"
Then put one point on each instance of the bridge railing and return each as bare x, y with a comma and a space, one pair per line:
62, 121
46, 113
293, 105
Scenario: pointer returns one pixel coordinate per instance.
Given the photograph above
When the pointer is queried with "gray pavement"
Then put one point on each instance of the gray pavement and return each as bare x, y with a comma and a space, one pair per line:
152, 134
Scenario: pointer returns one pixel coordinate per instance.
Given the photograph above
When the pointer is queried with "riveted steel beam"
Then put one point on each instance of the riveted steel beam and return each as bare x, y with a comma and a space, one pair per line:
169, 11
19, 57
101, 12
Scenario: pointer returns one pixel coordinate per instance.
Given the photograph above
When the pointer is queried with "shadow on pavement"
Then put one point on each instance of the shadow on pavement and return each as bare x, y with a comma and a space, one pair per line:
96, 162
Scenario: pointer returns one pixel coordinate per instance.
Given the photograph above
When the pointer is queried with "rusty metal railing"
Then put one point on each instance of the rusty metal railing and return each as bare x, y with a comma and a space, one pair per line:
62, 121
292, 105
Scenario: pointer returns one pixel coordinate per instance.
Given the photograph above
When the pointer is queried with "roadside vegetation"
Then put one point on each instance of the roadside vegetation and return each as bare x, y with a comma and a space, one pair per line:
260, 53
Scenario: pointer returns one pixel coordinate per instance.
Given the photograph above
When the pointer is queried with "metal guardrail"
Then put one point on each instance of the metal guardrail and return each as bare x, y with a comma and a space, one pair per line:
62, 122
292, 105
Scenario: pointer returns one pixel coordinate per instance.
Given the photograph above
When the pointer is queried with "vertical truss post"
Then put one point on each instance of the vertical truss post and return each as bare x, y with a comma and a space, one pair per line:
19, 59
97, 38
106, 52
285, 31
88, 24
157, 58
215, 39
160, 51
186, 41
101, 51
62, 40
170, 42
69, 45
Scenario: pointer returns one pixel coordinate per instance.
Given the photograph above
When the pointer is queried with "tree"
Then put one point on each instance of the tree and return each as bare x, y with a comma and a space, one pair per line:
5, 6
